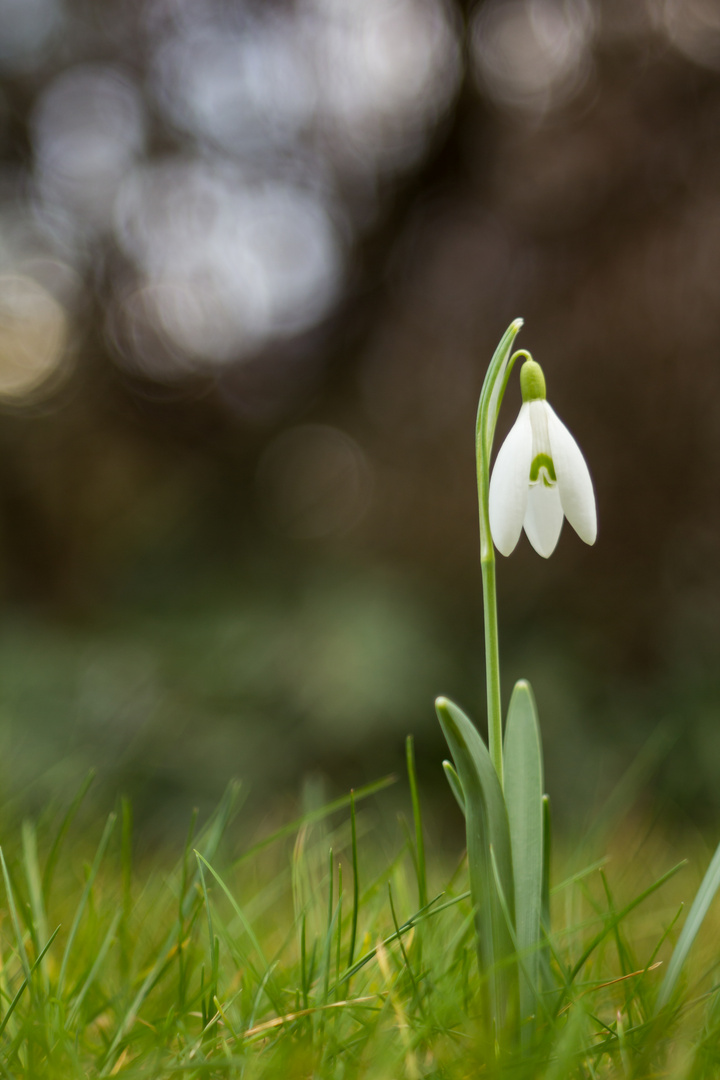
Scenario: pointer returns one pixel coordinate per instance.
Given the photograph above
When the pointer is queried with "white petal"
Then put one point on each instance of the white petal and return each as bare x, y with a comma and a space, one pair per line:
573, 480
543, 518
539, 419
509, 484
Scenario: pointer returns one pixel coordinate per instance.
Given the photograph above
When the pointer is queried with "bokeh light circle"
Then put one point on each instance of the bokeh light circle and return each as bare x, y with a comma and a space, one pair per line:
227, 265
27, 28
33, 338
532, 55
693, 26
88, 128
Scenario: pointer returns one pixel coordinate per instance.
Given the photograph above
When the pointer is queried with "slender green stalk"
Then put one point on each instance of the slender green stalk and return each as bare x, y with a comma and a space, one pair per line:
492, 664
491, 397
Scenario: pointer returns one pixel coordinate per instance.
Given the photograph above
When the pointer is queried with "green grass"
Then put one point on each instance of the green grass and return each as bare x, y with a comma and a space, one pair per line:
325, 950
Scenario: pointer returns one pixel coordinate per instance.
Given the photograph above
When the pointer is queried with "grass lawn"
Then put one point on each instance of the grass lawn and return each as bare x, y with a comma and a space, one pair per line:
334, 947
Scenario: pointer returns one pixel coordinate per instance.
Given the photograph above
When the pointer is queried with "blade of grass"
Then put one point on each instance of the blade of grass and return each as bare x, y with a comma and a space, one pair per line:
38, 923
213, 941
569, 1046
330, 930
262, 988
126, 831
161, 965
26, 980
211, 835
401, 943
417, 818
80, 910
664, 936
338, 946
621, 798
95, 968
602, 934
412, 921
303, 960
65, 824
237, 909
574, 878
626, 959
356, 882
14, 918
190, 904
273, 990
181, 913
314, 816
699, 909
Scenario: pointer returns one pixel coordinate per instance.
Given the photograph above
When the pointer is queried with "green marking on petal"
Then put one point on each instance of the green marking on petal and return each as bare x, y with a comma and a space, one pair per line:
543, 461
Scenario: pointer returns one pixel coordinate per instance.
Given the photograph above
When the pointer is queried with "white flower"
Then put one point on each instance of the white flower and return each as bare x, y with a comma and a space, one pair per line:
540, 477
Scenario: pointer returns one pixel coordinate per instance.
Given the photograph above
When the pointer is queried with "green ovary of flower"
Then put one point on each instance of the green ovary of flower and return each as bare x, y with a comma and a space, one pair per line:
532, 381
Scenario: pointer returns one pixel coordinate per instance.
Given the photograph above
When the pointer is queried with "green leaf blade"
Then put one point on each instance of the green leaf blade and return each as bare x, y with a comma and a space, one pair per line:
486, 824
524, 801
455, 786
493, 389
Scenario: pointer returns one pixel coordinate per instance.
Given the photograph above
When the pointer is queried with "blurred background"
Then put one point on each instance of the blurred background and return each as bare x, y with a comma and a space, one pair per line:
255, 256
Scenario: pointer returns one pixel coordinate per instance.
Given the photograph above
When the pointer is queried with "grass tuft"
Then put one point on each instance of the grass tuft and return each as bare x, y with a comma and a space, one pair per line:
278, 963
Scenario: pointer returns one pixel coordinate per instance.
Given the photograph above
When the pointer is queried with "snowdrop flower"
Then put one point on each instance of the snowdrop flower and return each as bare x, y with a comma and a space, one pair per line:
540, 477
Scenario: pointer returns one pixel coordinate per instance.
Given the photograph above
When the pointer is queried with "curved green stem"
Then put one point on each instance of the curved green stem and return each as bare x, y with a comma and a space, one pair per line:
491, 397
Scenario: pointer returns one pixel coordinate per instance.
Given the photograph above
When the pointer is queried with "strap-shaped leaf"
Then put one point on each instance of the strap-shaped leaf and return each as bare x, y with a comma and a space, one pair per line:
547, 852
493, 389
545, 971
491, 395
523, 798
486, 824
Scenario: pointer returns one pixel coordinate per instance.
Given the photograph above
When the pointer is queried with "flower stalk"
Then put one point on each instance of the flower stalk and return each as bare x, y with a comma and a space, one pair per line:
540, 478
491, 396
